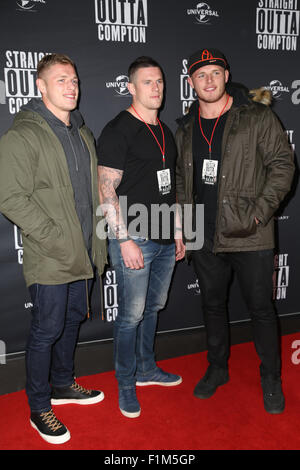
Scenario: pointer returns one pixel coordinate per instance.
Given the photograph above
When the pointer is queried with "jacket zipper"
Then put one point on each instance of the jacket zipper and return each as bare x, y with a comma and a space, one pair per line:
227, 128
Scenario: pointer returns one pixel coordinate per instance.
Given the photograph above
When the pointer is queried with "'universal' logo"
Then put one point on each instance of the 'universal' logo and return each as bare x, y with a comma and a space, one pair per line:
277, 88
202, 13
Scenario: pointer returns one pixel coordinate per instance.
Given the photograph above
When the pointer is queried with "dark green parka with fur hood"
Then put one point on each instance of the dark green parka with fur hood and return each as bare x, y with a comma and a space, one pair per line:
255, 174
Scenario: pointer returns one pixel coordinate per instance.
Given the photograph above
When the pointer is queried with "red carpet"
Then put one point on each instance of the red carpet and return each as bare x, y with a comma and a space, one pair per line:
172, 418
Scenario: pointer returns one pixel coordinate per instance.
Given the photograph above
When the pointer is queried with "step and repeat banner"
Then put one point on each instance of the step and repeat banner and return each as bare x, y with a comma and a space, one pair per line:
261, 41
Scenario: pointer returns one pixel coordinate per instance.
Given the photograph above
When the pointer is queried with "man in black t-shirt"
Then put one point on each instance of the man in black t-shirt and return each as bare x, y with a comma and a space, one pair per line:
136, 158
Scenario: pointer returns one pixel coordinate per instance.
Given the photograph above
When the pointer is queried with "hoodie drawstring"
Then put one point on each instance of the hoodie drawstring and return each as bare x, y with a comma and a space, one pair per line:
75, 156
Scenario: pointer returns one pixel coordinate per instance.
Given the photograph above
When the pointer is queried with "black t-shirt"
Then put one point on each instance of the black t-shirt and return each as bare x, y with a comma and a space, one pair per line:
127, 144
207, 194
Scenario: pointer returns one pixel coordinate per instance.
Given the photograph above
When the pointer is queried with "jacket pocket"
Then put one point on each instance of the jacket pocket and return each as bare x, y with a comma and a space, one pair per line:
51, 240
238, 217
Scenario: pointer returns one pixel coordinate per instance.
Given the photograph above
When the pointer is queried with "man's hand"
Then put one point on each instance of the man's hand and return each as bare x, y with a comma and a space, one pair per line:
180, 249
132, 255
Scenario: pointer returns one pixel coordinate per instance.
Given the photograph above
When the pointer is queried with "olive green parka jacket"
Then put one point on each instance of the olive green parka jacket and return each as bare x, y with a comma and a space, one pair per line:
36, 194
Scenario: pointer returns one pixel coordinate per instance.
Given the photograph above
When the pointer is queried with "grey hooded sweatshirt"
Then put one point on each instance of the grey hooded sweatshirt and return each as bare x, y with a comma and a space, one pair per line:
78, 159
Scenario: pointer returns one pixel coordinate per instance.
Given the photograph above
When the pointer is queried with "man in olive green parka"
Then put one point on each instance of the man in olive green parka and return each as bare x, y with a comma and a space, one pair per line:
48, 187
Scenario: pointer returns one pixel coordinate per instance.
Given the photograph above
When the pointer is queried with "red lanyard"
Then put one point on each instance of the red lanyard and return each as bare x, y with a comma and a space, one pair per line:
212, 134
163, 135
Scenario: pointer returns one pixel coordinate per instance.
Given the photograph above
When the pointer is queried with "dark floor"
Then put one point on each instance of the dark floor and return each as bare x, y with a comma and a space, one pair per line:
98, 357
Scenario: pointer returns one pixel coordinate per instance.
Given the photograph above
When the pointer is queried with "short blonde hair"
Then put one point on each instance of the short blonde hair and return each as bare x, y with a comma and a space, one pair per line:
52, 59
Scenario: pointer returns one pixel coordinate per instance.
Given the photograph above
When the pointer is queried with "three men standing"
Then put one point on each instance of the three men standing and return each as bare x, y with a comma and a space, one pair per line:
233, 157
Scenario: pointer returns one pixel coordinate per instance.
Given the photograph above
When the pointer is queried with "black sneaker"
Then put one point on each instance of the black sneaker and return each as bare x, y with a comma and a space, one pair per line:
208, 385
75, 393
49, 427
274, 401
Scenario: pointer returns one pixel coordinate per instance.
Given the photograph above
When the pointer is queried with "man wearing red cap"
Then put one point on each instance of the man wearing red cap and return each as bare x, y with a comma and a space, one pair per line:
233, 157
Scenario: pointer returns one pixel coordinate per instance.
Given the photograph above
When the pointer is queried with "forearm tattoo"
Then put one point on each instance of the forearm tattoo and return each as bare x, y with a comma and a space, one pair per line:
109, 179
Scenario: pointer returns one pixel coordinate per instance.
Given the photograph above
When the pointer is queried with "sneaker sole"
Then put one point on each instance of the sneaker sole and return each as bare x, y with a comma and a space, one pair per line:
134, 414
162, 384
74, 401
275, 411
52, 439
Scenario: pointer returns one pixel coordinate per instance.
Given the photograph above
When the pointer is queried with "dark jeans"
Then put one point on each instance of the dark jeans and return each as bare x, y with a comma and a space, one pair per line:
254, 271
57, 313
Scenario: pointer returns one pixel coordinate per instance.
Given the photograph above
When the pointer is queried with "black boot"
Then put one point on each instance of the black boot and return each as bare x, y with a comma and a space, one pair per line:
213, 378
274, 401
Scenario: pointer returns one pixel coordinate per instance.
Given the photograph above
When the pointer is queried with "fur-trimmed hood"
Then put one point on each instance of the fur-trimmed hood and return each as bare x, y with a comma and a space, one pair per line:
261, 95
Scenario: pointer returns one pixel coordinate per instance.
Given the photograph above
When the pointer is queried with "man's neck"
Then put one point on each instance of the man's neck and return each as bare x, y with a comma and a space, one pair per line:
143, 114
63, 116
213, 110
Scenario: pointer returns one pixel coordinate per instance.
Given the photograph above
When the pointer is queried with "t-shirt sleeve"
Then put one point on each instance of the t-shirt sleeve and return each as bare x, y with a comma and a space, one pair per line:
112, 148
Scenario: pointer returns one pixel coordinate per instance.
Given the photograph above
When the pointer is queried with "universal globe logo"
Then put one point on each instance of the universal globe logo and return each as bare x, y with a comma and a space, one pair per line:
121, 82
202, 13
202, 9
119, 85
29, 4
25, 5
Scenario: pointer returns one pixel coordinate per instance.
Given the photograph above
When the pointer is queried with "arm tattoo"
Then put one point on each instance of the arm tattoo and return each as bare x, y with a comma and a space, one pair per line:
109, 179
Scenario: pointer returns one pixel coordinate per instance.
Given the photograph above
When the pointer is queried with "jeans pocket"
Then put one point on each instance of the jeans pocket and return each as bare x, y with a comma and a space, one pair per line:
139, 240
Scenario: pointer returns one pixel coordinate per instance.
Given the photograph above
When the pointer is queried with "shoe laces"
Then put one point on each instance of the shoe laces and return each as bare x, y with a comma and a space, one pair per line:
78, 388
50, 419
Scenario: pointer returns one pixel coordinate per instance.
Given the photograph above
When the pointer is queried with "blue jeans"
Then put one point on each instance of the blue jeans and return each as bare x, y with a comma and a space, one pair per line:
141, 294
57, 313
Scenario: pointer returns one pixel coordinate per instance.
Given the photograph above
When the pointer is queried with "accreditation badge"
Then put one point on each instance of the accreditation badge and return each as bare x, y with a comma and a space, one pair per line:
209, 171
164, 181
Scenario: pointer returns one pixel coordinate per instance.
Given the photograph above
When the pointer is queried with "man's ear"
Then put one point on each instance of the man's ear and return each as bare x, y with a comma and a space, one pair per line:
190, 82
40, 83
131, 88
226, 76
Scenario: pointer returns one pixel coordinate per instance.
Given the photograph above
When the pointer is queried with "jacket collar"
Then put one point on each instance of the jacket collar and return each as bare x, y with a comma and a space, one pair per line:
241, 97
36, 110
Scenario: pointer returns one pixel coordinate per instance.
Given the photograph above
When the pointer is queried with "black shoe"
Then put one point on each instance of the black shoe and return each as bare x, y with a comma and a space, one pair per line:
49, 427
208, 385
75, 393
274, 401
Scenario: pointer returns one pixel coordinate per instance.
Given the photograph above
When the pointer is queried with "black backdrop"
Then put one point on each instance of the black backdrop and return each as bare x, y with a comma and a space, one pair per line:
261, 41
